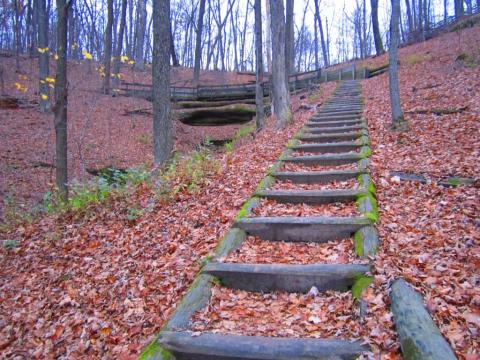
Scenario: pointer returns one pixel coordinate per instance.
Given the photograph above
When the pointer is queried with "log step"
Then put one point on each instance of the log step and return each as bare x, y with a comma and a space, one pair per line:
209, 346
331, 137
338, 147
311, 228
316, 177
336, 129
323, 117
325, 160
310, 196
283, 277
322, 124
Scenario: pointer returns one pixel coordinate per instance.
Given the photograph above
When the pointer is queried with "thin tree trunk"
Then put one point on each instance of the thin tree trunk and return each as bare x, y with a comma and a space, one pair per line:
198, 43
409, 19
259, 66
17, 26
162, 124
269, 36
172, 49
459, 11
322, 37
118, 49
280, 92
140, 35
43, 56
376, 28
61, 101
108, 47
397, 114
445, 10
289, 38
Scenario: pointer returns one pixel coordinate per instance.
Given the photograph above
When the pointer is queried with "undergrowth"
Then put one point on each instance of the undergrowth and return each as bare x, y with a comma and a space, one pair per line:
239, 134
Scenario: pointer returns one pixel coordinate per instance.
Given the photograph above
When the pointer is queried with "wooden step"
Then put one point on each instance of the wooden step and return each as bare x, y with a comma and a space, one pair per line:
322, 124
336, 129
311, 228
284, 277
316, 177
337, 147
331, 137
210, 346
333, 112
325, 160
310, 196
336, 117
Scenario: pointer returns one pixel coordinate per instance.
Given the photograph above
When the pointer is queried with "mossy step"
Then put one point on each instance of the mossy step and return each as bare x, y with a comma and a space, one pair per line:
336, 129
311, 228
310, 196
335, 117
325, 160
338, 147
331, 137
210, 346
331, 123
316, 177
285, 277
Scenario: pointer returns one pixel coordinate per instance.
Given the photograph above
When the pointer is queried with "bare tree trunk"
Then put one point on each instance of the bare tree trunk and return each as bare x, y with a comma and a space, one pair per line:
17, 34
280, 92
315, 32
269, 35
108, 48
322, 37
376, 29
459, 11
409, 19
61, 101
118, 49
172, 49
198, 43
445, 10
43, 56
289, 38
397, 114
259, 66
140, 34
162, 124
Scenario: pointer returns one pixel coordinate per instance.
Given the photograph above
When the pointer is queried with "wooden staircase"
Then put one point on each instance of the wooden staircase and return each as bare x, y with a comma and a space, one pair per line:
335, 136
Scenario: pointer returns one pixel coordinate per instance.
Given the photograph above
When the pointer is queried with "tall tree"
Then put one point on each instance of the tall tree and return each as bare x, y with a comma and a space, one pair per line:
397, 114
141, 27
376, 28
281, 98
43, 55
108, 47
198, 43
289, 38
410, 19
172, 49
118, 50
61, 101
269, 36
162, 124
459, 11
322, 36
259, 66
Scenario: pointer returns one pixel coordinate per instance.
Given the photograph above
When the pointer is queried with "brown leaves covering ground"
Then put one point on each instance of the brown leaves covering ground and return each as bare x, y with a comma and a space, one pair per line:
288, 185
430, 234
255, 250
269, 207
99, 133
99, 285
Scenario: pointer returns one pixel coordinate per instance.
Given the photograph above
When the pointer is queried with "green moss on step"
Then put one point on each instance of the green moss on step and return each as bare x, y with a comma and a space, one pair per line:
265, 183
364, 140
358, 243
360, 285
292, 143
155, 351
246, 208
365, 152
373, 213
370, 186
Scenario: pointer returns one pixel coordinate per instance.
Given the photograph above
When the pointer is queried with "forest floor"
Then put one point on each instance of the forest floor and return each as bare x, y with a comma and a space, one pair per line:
101, 283
100, 132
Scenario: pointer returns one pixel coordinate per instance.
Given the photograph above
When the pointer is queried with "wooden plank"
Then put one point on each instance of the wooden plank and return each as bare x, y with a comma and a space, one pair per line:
312, 228
330, 123
209, 346
283, 277
310, 196
331, 137
338, 147
325, 160
336, 129
419, 336
316, 177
